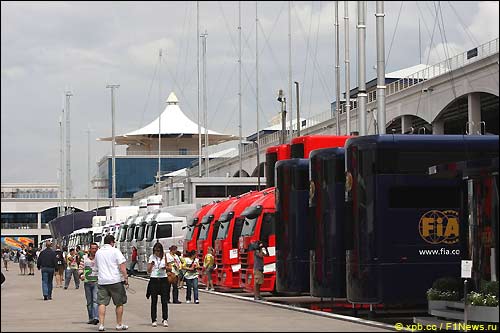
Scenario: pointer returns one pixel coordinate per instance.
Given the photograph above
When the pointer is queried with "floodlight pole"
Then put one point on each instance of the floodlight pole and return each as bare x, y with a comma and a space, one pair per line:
113, 165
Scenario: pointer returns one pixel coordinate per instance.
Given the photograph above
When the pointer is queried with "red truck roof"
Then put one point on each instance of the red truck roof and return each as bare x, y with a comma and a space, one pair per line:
302, 146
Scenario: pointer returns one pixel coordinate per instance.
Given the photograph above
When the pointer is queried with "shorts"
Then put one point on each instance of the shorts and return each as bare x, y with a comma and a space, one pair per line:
116, 291
60, 269
31, 264
22, 263
258, 277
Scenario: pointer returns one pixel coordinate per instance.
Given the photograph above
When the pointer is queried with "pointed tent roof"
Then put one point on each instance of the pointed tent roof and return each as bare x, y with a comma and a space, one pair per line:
173, 122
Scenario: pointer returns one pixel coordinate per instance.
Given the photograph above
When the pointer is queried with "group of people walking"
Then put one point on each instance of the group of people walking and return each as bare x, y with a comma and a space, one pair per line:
104, 275
26, 257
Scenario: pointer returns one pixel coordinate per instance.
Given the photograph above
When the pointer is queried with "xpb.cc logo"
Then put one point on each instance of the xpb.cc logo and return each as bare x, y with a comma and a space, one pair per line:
438, 227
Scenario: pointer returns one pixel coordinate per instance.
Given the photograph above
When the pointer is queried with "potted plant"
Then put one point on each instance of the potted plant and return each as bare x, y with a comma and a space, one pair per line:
443, 290
483, 306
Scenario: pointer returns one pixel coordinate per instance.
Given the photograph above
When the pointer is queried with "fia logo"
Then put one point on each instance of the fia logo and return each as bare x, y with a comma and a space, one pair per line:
438, 227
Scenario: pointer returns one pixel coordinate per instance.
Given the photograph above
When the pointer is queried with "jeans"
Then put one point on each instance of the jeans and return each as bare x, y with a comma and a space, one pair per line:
67, 277
132, 266
175, 292
91, 296
47, 278
192, 283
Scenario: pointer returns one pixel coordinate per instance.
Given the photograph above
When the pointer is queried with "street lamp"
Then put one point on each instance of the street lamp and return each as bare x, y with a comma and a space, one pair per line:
282, 99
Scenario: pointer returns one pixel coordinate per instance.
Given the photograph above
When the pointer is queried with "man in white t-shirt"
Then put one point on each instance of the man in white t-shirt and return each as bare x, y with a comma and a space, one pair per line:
112, 279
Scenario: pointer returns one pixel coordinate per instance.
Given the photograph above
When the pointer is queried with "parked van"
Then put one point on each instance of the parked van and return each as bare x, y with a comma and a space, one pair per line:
140, 242
166, 229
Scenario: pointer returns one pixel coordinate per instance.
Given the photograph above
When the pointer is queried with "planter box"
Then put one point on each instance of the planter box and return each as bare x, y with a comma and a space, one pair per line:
436, 305
488, 314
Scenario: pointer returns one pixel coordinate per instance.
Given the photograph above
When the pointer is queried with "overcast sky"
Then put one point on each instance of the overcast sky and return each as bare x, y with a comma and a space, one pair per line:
50, 47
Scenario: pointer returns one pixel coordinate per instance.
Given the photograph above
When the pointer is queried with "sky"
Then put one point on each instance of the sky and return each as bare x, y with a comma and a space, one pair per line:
48, 48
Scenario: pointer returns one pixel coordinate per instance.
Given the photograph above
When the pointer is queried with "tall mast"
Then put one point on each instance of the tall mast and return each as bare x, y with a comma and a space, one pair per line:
113, 144
347, 69
380, 67
88, 166
290, 106
205, 108
257, 89
62, 191
68, 151
239, 87
159, 126
337, 69
198, 81
361, 67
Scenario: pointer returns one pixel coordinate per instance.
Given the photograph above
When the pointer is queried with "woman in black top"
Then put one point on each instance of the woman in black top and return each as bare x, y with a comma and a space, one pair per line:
59, 266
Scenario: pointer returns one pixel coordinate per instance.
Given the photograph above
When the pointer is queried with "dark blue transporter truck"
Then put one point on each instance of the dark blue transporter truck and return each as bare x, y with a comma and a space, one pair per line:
406, 228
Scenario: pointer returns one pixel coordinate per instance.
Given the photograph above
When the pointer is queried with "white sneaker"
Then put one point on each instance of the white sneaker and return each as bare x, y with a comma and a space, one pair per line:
187, 302
121, 327
206, 288
212, 289
165, 323
154, 324
101, 328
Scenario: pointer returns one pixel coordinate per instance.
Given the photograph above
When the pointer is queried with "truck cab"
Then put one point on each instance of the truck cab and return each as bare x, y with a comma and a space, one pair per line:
226, 242
259, 224
209, 227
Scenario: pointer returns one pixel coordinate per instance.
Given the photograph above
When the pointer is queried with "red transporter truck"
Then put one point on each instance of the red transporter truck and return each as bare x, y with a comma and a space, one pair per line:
193, 227
302, 146
274, 154
209, 226
259, 225
226, 242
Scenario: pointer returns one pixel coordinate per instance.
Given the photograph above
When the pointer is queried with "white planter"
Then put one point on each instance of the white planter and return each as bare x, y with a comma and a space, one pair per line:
436, 305
488, 314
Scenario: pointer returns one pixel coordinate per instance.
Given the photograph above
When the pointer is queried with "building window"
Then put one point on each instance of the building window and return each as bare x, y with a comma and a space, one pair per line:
19, 220
183, 151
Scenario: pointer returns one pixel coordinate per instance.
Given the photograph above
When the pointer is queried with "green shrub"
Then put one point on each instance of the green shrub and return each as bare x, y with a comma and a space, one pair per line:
447, 284
489, 287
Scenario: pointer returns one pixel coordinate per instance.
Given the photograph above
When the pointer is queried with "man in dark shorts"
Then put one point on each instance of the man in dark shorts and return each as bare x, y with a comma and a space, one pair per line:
112, 279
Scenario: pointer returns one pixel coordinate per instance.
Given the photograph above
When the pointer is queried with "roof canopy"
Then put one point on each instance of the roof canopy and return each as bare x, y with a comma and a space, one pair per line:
173, 123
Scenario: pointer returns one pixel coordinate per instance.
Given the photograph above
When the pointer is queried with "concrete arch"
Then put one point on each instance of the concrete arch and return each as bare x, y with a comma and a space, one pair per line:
408, 124
261, 172
453, 117
243, 173
448, 98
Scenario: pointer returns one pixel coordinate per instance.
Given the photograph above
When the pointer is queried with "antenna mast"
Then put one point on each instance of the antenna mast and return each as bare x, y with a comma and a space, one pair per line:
68, 151
159, 127
347, 69
239, 87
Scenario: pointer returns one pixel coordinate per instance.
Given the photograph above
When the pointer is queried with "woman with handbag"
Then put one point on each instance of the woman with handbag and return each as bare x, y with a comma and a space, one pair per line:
173, 277
158, 284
